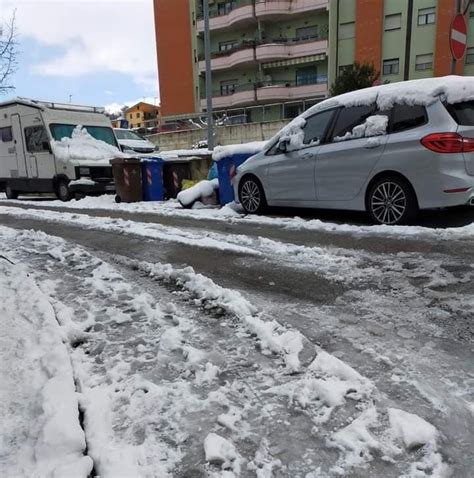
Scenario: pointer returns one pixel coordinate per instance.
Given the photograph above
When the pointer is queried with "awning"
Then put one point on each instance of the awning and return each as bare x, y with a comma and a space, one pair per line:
295, 61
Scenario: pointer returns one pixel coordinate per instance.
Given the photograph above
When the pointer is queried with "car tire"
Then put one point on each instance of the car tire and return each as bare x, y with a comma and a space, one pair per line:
62, 190
391, 201
252, 196
10, 193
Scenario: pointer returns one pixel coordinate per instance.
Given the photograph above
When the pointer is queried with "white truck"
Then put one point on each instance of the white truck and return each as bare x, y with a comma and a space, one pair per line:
29, 163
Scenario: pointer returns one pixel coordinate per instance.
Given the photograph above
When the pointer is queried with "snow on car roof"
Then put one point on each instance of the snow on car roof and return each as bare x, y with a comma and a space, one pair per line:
454, 89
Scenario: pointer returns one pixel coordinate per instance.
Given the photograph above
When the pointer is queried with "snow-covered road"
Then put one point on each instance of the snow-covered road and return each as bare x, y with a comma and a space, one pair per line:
286, 358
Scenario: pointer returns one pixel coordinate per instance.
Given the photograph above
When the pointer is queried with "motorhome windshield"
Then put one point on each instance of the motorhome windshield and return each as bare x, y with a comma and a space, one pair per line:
102, 133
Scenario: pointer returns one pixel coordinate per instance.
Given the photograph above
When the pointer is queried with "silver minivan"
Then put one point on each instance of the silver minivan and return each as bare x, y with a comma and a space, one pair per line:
389, 150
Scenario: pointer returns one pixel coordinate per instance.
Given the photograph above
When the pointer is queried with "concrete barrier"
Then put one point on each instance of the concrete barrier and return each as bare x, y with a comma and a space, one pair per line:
232, 134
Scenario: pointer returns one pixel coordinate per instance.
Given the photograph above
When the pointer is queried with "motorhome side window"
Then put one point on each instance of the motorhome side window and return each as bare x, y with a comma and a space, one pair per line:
36, 138
6, 134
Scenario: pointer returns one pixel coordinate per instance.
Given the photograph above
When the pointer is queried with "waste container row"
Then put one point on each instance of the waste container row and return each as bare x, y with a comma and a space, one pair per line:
153, 179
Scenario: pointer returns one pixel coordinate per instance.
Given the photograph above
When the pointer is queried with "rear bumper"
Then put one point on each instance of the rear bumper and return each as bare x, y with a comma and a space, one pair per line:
93, 188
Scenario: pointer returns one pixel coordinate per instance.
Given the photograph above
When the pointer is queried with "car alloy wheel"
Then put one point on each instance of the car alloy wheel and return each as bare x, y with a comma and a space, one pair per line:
250, 196
388, 203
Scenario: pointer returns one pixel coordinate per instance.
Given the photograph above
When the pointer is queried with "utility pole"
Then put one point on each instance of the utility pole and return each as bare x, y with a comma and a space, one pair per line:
207, 55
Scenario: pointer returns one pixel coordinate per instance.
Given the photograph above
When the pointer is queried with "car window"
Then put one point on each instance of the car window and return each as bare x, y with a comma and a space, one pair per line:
316, 126
36, 138
462, 113
349, 118
406, 117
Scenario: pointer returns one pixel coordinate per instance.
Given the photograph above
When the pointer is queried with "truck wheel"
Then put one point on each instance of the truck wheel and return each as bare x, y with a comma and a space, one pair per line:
118, 199
10, 193
62, 190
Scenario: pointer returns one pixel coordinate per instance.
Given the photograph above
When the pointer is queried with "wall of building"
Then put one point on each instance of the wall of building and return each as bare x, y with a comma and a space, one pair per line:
234, 134
374, 43
174, 39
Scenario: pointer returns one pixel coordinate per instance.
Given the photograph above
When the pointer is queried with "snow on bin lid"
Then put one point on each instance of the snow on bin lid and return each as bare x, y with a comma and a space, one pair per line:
221, 152
454, 89
183, 155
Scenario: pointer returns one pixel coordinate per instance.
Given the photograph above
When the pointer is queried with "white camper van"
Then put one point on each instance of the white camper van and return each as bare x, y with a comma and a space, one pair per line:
27, 160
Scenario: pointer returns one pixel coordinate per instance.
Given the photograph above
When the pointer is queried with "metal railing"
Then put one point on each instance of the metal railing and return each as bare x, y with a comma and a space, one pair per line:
302, 81
255, 44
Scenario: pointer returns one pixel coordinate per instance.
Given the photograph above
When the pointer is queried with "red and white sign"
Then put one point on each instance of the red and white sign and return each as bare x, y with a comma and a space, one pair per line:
458, 37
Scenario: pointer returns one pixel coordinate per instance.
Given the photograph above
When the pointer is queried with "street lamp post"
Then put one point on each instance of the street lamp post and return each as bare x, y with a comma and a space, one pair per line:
207, 55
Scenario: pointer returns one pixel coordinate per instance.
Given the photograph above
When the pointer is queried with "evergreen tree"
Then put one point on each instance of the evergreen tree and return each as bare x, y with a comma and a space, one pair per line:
355, 77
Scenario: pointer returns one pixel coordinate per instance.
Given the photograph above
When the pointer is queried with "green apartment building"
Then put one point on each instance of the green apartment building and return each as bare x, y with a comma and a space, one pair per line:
271, 59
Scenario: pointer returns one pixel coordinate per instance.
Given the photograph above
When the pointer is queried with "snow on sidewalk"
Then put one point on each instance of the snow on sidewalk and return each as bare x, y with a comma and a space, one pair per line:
39, 413
169, 377
232, 213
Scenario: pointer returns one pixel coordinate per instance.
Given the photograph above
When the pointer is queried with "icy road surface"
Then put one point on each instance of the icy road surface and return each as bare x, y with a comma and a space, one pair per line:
289, 357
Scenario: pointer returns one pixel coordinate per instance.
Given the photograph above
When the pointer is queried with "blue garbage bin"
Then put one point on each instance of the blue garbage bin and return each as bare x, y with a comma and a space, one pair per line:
226, 169
152, 177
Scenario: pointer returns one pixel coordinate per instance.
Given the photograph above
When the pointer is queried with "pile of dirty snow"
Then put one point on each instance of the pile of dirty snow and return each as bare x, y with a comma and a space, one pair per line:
82, 145
39, 409
202, 189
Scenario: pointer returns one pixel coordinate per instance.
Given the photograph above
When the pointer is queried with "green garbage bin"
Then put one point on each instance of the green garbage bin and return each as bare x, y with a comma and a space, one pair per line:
128, 179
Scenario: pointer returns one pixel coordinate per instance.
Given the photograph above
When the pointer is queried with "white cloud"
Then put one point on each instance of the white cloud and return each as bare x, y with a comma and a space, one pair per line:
91, 36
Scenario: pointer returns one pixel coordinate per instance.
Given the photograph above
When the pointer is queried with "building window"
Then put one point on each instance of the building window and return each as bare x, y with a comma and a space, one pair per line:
393, 22
391, 67
6, 134
346, 30
426, 16
469, 56
306, 76
223, 8
344, 68
307, 33
471, 12
228, 45
228, 87
424, 62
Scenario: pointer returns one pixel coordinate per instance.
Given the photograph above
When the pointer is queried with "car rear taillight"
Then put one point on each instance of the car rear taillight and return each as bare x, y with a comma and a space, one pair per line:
448, 143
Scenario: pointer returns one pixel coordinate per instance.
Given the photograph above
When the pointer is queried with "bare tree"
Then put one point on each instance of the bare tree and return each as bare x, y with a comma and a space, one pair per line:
8, 54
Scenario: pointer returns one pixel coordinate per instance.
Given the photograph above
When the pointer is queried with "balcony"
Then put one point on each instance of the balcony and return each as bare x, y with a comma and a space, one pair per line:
240, 95
249, 52
243, 54
289, 90
240, 13
275, 9
281, 49
274, 91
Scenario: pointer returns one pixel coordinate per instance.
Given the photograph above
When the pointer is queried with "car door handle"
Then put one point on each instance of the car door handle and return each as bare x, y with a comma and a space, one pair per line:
307, 155
372, 145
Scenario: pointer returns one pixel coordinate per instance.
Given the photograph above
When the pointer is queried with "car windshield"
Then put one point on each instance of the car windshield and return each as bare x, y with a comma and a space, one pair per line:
126, 134
102, 133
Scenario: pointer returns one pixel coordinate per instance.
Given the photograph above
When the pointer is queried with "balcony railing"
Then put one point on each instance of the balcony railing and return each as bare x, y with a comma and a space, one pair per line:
253, 44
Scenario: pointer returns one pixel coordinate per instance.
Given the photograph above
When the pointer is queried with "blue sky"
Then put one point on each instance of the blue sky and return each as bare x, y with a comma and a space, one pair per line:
100, 52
